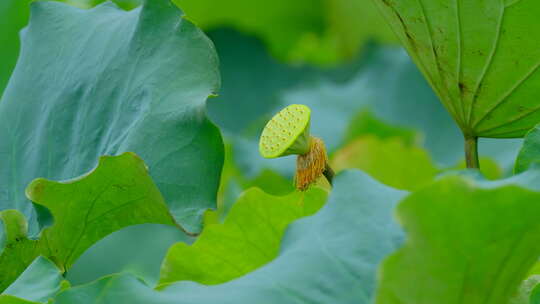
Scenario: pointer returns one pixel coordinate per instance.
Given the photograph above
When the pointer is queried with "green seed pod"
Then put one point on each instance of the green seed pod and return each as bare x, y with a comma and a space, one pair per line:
286, 133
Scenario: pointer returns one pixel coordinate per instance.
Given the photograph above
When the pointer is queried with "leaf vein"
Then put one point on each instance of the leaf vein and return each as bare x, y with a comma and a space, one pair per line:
487, 66
506, 97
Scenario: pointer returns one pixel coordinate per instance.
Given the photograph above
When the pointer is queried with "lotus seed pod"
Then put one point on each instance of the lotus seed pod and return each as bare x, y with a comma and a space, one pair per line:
286, 133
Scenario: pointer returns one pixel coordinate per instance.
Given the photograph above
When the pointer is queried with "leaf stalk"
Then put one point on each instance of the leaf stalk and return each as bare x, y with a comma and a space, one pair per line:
471, 152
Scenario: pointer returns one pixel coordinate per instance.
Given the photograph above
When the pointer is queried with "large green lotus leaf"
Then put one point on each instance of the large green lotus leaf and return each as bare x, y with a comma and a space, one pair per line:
529, 155
117, 194
391, 161
480, 57
468, 242
139, 85
14, 16
38, 283
330, 257
249, 237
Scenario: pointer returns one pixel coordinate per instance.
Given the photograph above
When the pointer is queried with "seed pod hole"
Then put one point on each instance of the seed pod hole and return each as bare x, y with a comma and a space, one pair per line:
286, 133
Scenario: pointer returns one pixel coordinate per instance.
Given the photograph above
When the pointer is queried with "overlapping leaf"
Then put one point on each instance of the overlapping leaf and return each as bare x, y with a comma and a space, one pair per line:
105, 81
41, 281
481, 57
249, 238
118, 193
468, 242
17, 251
330, 257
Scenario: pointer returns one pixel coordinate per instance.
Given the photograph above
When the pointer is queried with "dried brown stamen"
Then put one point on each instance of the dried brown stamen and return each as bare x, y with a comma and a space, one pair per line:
310, 166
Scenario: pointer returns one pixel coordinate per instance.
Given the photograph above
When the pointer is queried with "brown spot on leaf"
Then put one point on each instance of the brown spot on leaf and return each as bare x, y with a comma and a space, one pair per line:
462, 87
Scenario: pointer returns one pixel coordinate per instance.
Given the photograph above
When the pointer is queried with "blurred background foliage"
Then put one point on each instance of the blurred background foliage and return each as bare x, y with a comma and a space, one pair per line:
370, 105
322, 32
